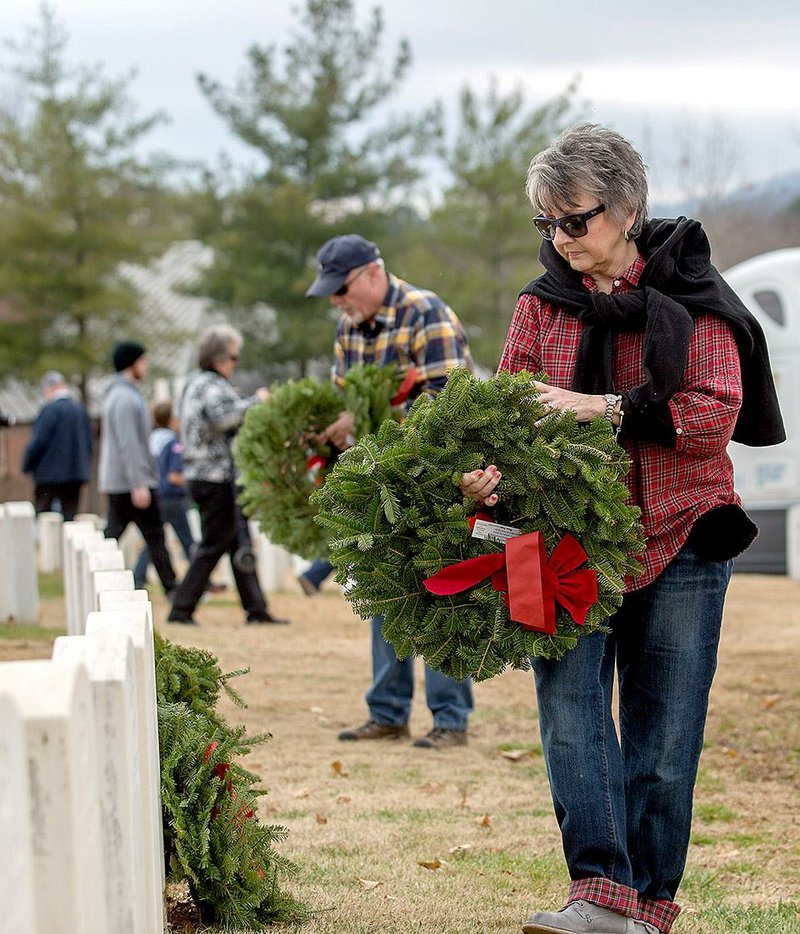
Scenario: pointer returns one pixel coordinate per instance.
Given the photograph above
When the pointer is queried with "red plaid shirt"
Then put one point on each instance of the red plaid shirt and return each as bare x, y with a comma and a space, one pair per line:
672, 486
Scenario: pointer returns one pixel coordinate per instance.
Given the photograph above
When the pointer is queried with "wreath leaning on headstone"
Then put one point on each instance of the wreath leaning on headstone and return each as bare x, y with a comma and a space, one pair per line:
402, 536
280, 461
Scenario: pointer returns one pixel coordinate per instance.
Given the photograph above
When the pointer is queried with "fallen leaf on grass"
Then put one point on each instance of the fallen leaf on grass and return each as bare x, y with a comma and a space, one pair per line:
771, 700
431, 863
461, 848
321, 819
368, 883
484, 821
431, 788
316, 710
344, 799
301, 793
515, 754
338, 768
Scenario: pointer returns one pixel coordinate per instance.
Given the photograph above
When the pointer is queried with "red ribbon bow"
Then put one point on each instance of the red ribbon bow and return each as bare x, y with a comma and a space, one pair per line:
314, 466
532, 583
405, 387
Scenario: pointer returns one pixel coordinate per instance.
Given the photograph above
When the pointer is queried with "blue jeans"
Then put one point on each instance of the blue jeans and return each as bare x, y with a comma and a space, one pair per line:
318, 571
389, 696
173, 512
625, 807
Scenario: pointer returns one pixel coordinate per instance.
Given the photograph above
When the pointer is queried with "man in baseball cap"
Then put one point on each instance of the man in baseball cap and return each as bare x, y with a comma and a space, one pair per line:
336, 257
386, 321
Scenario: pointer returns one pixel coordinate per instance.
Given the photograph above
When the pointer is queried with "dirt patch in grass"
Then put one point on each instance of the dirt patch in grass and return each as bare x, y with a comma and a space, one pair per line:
389, 838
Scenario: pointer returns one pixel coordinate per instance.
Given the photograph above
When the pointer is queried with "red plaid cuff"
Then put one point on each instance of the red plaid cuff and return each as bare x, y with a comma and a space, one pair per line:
624, 901
658, 911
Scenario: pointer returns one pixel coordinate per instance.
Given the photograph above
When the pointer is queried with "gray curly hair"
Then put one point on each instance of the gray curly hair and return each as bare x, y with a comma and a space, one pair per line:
215, 344
590, 159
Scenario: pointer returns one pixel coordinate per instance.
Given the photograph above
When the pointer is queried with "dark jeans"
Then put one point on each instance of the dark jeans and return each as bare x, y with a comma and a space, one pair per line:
67, 494
389, 696
318, 571
625, 807
173, 512
219, 535
121, 512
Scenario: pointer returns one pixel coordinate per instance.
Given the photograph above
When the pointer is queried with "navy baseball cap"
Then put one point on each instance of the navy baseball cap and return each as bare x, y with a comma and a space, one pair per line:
335, 259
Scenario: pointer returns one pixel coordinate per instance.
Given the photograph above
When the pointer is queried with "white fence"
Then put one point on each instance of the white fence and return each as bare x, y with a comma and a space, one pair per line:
80, 815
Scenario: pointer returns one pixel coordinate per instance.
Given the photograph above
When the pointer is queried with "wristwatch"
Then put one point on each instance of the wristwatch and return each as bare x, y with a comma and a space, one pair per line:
611, 403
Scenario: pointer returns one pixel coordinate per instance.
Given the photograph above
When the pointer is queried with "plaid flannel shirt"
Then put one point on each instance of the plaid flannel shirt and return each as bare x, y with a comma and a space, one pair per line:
414, 329
672, 486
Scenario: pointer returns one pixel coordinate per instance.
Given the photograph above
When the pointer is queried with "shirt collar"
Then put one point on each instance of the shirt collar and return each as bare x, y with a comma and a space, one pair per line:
386, 315
628, 280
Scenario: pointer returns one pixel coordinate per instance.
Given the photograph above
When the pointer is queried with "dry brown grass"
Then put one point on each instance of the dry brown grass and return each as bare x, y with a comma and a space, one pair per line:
363, 818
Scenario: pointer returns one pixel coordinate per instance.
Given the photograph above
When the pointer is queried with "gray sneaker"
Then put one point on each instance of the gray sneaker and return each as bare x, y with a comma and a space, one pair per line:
585, 918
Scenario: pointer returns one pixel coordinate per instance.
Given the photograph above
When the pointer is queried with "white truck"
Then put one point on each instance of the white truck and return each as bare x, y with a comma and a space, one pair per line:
768, 479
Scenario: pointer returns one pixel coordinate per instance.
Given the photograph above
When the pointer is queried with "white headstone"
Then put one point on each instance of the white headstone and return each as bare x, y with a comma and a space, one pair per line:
109, 580
97, 521
100, 556
55, 702
109, 660
49, 526
71, 533
126, 600
17, 877
90, 541
19, 585
135, 622
274, 563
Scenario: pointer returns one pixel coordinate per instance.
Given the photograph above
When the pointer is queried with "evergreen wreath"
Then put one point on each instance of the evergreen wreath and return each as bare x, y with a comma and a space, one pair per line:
395, 516
212, 835
280, 462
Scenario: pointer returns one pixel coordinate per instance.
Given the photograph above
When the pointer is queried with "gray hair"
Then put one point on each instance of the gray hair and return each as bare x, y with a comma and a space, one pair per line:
51, 379
591, 159
215, 344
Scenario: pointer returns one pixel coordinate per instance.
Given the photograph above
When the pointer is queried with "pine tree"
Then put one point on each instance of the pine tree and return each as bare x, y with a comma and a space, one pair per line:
75, 202
330, 165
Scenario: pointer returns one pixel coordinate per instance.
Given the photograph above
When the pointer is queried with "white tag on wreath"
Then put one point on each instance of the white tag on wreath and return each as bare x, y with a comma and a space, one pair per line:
493, 531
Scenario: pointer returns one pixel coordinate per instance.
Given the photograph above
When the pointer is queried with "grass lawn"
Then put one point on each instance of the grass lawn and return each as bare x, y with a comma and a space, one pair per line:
392, 839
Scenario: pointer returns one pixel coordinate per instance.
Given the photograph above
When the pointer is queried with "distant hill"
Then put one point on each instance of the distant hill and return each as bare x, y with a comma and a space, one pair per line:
771, 195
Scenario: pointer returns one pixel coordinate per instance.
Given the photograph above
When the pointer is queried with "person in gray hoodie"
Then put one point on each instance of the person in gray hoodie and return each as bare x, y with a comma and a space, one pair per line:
127, 473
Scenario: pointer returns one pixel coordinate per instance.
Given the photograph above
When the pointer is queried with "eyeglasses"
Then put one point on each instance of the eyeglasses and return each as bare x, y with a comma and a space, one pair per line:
573, 225
342, 290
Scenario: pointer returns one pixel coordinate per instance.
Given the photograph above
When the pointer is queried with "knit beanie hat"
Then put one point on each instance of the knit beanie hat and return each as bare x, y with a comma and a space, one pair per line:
126, 353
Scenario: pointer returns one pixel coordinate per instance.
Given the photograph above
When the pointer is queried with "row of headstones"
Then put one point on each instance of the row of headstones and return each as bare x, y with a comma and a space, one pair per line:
80, 814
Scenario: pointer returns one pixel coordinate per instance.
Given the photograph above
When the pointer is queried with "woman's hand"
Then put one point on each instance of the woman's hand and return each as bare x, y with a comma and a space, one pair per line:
586, 407
479, 484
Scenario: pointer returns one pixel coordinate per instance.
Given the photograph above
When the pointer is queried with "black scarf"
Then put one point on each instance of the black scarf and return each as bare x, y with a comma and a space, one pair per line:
677, 285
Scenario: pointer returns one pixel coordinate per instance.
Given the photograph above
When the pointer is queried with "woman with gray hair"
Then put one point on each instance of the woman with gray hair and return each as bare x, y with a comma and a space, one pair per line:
211, 411
633, 324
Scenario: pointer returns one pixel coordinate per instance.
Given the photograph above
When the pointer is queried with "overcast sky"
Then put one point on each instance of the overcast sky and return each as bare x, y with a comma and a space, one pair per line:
655, 71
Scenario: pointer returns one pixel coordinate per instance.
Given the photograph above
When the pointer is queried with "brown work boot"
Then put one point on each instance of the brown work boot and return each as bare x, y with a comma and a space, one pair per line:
441, 738
374, 730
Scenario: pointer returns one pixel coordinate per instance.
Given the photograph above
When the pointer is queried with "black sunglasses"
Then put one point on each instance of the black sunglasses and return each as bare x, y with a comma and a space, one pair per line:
342, 290
573, 225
